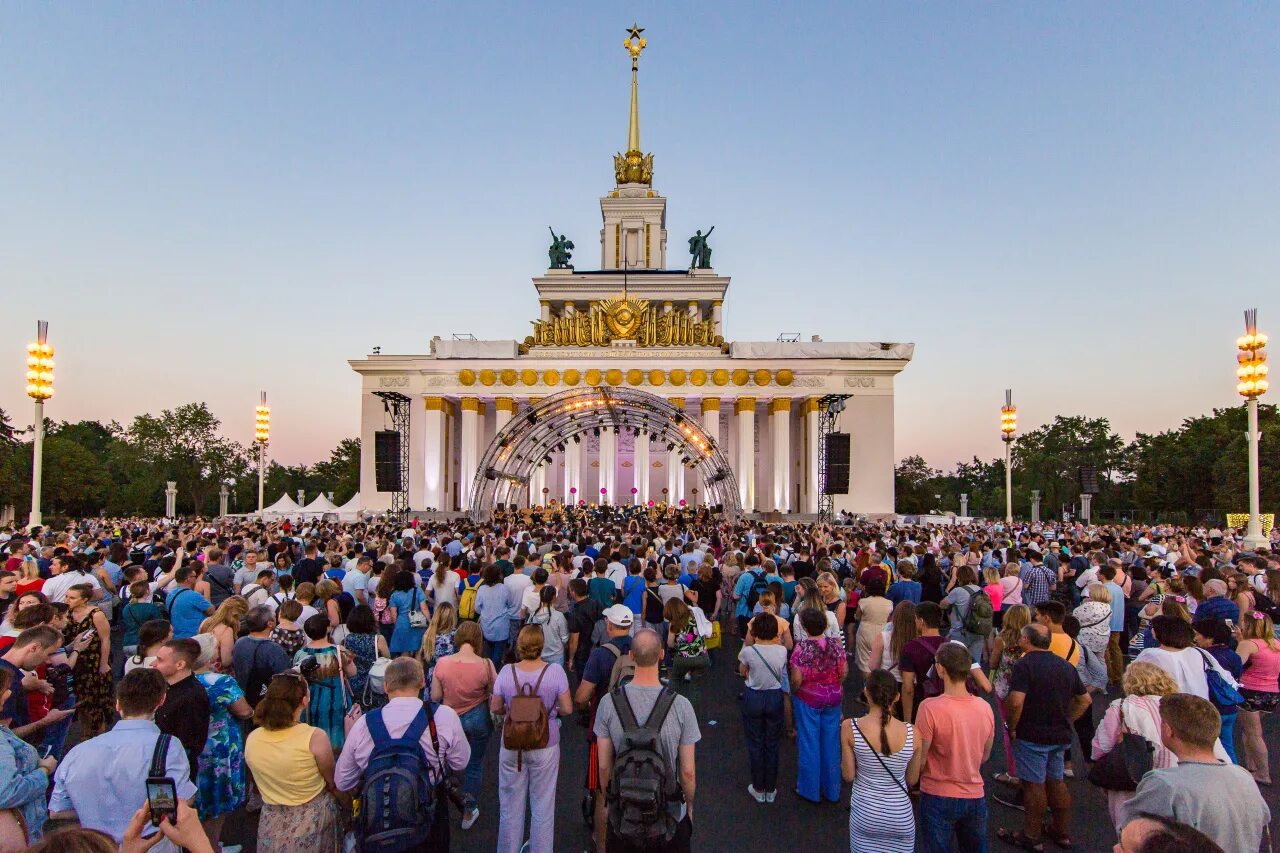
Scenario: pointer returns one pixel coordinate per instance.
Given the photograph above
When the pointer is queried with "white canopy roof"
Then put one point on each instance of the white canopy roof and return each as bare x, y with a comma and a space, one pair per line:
350, 511
285, 506
320, 505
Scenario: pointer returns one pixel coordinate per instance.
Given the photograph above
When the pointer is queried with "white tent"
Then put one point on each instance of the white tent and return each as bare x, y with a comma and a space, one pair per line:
320, 506
350, 511
286, 506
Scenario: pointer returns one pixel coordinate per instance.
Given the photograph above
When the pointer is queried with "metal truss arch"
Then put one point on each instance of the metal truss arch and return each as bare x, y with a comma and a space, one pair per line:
531, 436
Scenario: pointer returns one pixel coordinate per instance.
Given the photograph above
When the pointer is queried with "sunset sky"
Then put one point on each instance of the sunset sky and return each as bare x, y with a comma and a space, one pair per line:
1076, 201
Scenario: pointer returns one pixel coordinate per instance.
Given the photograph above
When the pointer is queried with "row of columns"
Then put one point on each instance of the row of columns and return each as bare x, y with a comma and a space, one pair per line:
471, 447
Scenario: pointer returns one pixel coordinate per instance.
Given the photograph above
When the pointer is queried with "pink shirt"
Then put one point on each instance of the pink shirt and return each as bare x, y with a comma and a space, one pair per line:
396, 716
957, 729
996, 592
1263, 670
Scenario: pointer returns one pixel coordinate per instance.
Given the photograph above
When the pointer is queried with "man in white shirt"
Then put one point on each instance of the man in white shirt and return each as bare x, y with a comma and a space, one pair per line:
421, 555
68, 570
356, 580
616, 572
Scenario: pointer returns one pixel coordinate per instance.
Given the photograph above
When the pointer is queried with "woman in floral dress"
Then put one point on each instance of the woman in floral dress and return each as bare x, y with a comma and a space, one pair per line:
220, 781
366, 645
94, 690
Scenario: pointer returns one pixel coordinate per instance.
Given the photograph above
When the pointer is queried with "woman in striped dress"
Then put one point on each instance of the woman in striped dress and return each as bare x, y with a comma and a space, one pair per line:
881, 756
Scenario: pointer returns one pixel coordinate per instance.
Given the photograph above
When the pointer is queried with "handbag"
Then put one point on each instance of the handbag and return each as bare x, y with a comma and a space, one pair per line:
1123, 767
1221, 693
417, 619
713, 641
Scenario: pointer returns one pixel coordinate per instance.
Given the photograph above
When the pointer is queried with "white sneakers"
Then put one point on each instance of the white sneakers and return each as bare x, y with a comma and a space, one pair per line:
760, 796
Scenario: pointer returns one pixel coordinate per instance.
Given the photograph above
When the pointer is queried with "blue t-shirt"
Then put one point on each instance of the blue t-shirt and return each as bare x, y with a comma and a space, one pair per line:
186, 609
742, 589
15, 707
633, 593
600, 664
903, 591
1117, 606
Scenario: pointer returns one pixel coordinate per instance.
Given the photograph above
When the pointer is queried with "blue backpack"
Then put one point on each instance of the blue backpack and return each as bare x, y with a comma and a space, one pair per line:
398, 797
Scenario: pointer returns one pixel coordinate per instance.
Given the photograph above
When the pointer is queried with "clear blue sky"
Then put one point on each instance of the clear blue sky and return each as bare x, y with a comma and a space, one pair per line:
1072, 200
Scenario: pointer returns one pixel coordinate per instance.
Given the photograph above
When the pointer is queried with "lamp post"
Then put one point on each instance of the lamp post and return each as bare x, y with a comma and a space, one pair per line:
1008, 426
261, 435
1252, 374
39, 389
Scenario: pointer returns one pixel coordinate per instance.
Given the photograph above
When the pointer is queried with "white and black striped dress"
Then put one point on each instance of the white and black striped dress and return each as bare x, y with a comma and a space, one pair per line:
880, 816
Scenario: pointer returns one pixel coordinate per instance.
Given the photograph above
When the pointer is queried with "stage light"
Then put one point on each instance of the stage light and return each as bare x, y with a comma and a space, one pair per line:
577, 438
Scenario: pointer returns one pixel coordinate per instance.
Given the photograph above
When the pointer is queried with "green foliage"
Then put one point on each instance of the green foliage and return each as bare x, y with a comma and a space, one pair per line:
1196, 472
91, 467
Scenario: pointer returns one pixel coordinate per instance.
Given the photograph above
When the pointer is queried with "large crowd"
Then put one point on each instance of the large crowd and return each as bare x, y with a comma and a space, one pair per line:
338, 685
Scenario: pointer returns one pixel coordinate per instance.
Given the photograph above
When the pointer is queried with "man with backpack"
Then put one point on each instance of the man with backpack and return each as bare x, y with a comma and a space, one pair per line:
746, 592
972, 613
645, 743
396, 759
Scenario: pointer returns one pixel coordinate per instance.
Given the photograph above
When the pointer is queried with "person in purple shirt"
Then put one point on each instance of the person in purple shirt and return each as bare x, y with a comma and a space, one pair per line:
405, 682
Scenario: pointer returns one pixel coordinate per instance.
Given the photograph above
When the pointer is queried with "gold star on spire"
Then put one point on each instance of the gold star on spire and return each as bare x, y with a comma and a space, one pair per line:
634, 167
634, 32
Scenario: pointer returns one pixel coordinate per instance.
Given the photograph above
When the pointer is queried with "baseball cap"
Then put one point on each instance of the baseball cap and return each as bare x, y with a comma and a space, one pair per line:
619, 614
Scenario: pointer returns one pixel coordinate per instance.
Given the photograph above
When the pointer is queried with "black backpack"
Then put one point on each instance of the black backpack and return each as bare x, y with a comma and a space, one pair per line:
1266, 605
759, 584
643, 783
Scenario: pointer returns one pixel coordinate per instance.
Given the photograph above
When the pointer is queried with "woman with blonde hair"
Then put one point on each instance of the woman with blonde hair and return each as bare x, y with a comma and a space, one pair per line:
1005, 652
1260, 685
437, 642
292, 765
327, 592
1094, 615
224, 624
1138, 712
768, 603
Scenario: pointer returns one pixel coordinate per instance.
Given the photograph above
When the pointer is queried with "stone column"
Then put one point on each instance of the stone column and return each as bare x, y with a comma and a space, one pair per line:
717, 312
223, 495
711, 426
435, 453
469, 447
1086, 508
964, 505
675, 468
572, 472
809, 415
608, 466
1035, 506
693, 310
504, 409
302, 497
544, 312
745, 409
641, 462
170, 499
780, 435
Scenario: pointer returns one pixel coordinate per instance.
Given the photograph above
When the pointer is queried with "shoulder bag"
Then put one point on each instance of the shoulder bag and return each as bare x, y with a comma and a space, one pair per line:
1123, 767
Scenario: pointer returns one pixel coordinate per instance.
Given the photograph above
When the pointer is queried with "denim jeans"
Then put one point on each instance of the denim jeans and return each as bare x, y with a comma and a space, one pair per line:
762, 723
818, 748
940, 816
1228, 735
497, 651
477, 725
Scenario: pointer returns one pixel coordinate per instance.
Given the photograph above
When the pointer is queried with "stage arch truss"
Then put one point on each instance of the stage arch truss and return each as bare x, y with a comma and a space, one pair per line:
531, 437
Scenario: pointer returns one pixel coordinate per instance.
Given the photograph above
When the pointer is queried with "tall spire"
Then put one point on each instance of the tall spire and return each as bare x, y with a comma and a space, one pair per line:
635, 167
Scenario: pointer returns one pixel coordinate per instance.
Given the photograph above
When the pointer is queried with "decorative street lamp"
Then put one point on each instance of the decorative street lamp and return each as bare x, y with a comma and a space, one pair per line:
262, 435
1008, 426
1252, 374
39, 388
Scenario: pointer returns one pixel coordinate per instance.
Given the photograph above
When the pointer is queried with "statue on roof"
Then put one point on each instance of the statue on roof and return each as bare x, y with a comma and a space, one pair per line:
700, 250
559, 252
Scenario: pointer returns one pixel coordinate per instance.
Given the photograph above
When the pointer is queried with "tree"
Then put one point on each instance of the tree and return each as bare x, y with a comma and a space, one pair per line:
74, 481
341, 473
913, 482
1049, 459
183, 445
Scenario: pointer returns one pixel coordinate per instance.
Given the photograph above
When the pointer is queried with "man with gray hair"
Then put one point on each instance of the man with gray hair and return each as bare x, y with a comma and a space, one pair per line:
444, 744
1216, 605
255, 657
1046, 696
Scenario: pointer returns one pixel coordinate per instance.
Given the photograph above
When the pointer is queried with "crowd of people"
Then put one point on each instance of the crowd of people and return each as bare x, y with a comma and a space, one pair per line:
340, 684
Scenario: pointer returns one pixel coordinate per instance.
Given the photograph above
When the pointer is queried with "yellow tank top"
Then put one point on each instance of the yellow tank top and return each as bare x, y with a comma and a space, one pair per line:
283, 765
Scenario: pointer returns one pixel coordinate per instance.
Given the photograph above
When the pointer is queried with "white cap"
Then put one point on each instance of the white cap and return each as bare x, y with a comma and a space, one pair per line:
620, 615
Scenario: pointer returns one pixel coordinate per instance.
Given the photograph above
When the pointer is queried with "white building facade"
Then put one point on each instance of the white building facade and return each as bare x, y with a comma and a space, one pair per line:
635, 323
